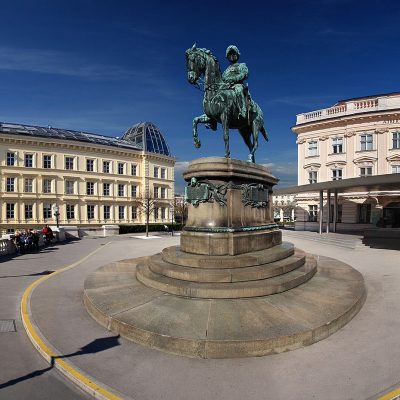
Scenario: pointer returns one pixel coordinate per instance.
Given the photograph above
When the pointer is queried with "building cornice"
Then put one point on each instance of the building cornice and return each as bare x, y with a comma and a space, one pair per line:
340, 121
92, 148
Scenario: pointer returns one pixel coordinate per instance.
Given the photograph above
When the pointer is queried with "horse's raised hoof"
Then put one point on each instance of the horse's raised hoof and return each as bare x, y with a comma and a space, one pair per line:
197, 144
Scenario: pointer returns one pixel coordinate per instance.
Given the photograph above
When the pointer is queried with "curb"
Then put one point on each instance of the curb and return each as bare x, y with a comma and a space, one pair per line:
68, 369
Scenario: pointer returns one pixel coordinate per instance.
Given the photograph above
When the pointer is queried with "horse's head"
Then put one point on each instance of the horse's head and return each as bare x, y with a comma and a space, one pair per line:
196, 60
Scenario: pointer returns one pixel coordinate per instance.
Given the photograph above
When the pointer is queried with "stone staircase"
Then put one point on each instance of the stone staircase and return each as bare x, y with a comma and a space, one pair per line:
260, 273
334, 239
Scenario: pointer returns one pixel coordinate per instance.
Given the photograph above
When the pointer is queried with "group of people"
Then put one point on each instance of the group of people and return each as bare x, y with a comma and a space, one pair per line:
27, 240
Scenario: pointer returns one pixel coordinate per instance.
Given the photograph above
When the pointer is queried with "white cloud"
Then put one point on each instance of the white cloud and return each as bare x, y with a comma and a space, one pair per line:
181, 166
59, 63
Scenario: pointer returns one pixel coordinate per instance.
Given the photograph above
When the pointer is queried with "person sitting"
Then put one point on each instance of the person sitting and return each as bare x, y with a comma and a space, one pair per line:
48, 234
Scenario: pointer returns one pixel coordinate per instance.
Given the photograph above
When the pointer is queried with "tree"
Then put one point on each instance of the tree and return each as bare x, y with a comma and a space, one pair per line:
146, 206
180, 209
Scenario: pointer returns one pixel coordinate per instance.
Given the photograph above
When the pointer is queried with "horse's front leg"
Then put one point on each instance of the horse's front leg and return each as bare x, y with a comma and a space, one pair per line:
202, 119
225, 127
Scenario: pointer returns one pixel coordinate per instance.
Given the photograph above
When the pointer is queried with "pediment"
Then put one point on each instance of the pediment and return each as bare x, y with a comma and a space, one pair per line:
312, 165
338, 162
364, 159
393, 157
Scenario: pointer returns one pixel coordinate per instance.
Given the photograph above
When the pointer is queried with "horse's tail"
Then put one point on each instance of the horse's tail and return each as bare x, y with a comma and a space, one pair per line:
264, 133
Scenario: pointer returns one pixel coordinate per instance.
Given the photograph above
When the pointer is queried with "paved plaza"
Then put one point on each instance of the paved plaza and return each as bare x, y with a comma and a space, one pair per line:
360, 361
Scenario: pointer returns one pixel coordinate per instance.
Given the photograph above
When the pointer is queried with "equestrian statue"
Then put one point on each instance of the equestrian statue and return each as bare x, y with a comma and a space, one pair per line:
226, 97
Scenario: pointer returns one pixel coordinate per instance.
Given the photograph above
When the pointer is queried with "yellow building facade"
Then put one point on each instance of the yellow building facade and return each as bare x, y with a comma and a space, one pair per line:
89, 180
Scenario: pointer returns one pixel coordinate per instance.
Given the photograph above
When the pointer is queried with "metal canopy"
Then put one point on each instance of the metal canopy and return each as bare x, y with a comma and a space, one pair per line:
361, 184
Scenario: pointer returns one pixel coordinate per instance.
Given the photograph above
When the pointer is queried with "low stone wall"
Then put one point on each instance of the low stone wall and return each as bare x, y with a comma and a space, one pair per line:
98, 231
6, 247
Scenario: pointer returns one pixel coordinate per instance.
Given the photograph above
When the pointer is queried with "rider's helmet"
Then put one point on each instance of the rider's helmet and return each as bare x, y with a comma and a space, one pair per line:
232, 50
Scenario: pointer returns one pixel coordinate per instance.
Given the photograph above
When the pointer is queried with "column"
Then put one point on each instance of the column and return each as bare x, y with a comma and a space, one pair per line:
335, 209
328, 214
321, 210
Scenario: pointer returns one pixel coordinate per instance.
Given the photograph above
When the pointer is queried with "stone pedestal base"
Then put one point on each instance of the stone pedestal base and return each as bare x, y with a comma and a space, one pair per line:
224, 328
229, 243
232, 289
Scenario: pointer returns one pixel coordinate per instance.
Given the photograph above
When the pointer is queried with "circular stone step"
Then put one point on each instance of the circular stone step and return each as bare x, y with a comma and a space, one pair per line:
264, 271
225, 328
225, 290
174, 255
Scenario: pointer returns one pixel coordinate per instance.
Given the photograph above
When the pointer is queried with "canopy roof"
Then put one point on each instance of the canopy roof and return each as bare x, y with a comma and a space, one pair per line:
374, 183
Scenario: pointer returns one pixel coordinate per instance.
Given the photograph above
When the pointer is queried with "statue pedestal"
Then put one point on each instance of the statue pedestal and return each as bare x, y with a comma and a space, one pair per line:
229, 209
232, 288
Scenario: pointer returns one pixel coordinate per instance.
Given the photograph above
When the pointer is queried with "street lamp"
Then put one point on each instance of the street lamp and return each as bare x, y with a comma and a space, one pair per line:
56, 213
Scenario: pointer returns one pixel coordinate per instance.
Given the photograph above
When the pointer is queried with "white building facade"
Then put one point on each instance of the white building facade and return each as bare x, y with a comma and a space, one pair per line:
354, 138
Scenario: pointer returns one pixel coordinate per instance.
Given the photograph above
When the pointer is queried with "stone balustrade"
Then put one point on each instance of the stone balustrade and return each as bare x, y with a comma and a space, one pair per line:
343, 108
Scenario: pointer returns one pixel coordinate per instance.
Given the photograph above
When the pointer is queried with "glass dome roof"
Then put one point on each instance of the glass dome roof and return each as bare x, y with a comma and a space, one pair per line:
148, 137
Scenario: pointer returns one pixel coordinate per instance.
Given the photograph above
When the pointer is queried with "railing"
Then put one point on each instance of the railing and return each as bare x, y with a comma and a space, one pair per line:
351, 107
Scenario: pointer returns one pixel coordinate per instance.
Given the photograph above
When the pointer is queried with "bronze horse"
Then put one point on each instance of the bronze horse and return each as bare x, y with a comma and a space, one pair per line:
219, 103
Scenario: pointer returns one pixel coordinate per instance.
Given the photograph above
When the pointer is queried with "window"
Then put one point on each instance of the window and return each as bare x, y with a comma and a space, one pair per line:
46, 161
312, 213
89, 165
106, 189
162, 212
134, 169
337, 145
395, 169
366, 142
121, 190
90, 211
339, 213
70, 211
156, 172
10, 158
134, 212
46, 211
155, 192
69, 187
10, 211
28, 160
106, 167
46, 185
312, 148
28, 211
106, 212
337, 174
163, 173
163, 191
312, 177
28, 185
396, 140
90, 188
155, 213
364, 213
10, 184
134, 191
121, 212
69, 162
120, 168
365, 171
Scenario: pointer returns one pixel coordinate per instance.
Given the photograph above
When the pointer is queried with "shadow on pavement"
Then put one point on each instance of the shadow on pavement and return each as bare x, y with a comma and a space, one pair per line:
35, 274
93, 347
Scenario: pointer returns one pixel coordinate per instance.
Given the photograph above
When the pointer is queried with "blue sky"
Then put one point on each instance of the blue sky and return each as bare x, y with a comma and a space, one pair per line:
102, 66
